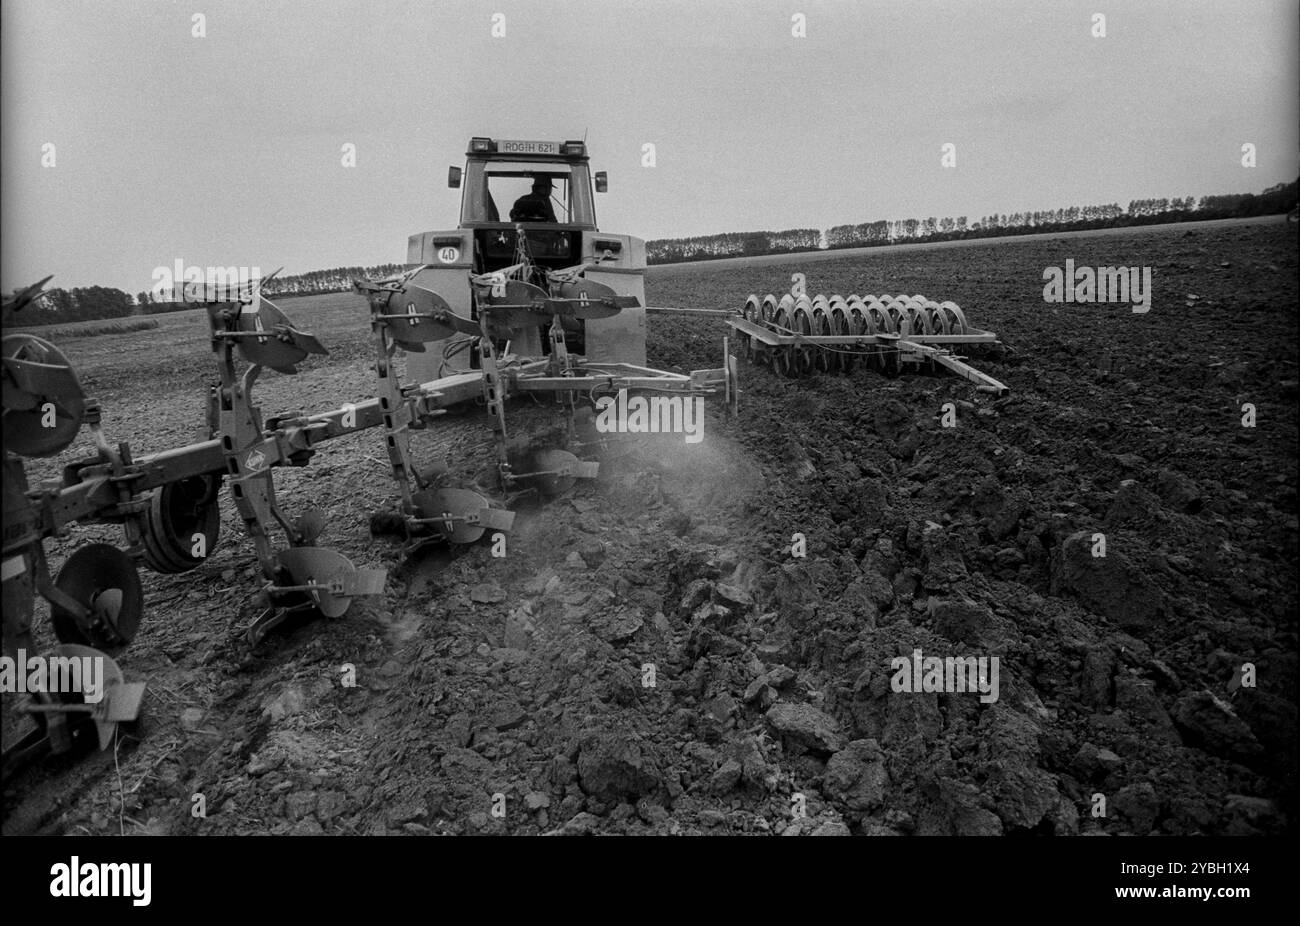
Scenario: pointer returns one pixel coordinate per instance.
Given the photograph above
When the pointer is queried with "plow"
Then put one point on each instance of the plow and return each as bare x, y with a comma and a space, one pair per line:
487, 313
168, 503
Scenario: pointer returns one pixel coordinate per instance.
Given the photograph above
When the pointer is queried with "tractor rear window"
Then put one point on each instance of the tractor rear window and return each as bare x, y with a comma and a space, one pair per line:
506, 189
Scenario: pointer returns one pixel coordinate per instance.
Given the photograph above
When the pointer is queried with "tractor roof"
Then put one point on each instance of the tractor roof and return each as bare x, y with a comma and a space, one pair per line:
518, 149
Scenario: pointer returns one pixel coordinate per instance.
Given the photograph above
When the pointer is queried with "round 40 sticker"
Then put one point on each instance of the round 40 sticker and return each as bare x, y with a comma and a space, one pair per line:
448, 255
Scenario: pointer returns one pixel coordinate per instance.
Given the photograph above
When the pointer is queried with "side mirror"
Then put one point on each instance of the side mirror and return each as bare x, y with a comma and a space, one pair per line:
602, 182
453, 177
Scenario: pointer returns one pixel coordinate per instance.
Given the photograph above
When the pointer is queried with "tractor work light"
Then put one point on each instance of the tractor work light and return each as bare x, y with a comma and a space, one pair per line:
574, 149
481, 145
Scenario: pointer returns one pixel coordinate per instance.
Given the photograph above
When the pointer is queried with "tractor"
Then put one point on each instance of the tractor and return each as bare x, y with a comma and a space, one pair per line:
497, 173
526, 297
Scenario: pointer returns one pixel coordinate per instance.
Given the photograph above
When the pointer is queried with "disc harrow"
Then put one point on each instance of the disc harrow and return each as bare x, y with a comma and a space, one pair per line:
797, 335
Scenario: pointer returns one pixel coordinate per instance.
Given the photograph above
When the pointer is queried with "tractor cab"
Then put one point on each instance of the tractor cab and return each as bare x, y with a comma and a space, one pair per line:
500, 192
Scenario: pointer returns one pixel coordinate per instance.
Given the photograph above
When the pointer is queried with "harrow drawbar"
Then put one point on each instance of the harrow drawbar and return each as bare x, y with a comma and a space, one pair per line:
798, 335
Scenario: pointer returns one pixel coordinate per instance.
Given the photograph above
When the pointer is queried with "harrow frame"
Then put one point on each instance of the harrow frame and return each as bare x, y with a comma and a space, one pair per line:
904, 346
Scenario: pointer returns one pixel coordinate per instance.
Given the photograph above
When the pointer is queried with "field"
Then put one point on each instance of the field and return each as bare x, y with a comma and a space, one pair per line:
90, 329
528, 679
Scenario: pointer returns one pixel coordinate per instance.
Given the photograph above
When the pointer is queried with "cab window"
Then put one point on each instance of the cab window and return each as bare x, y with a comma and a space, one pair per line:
505, 187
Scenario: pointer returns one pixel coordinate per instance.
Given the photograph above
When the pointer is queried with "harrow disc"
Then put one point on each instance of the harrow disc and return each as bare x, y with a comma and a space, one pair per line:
102, 579
756, 351
958, 317
882, 321
920, 316
875, 320
751, 313
782, 357
939, 320
42, 399
841, 361
842, 357
182, 525
899, 313
857, 325
823, 359
801, 322
887, 319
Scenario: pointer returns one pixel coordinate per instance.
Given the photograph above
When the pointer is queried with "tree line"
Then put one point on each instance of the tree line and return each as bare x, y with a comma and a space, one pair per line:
79, 304
312, 283
338, 280
1276, 199
732, 244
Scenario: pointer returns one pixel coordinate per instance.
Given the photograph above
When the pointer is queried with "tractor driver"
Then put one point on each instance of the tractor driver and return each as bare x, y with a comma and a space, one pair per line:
535, 206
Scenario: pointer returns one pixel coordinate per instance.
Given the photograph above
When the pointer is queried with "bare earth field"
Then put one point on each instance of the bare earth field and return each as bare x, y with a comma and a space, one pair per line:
527, 678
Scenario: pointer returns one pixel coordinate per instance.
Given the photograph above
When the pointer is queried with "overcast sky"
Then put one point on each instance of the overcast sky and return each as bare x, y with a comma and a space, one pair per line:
225, 150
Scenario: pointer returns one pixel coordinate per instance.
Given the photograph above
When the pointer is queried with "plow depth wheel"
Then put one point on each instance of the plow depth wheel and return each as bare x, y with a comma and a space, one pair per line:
102, 579
182, 525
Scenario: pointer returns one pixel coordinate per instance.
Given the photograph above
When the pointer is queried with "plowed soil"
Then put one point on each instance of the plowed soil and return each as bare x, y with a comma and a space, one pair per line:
651, 655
